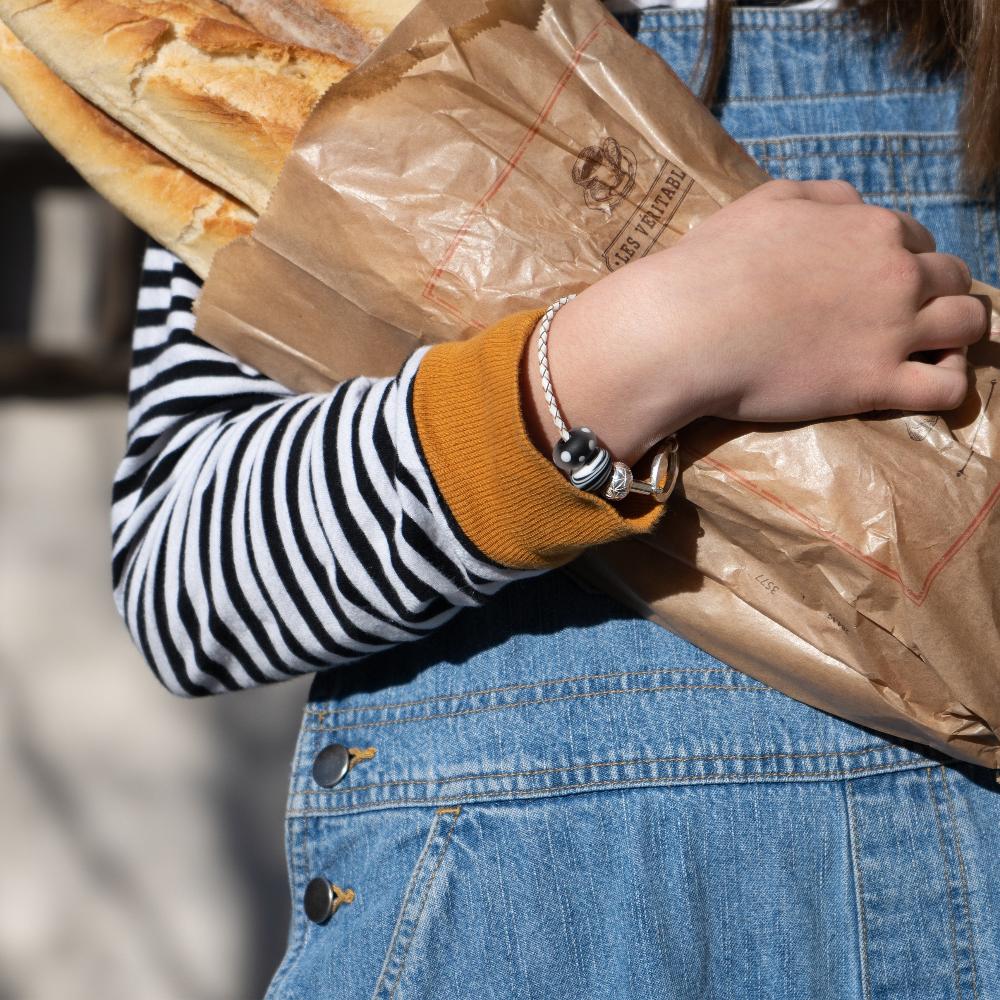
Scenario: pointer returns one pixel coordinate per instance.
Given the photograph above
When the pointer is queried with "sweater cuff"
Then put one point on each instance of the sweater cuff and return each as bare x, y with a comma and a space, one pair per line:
509, 499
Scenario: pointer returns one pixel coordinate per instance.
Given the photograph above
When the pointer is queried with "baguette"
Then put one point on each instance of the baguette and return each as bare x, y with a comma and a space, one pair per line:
215, 96
350, 29
176, 208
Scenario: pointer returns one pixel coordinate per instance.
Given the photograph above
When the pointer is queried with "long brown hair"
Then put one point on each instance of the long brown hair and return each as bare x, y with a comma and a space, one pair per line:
943, 36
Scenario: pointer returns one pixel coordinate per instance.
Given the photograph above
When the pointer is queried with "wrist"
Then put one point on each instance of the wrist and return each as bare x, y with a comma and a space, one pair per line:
605, 380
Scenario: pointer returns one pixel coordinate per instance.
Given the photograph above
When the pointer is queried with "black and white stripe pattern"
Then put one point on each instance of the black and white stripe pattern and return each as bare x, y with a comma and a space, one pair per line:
258, 534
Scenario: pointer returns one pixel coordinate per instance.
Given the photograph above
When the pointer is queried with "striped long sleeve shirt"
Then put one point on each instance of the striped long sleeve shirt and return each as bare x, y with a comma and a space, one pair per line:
258, 534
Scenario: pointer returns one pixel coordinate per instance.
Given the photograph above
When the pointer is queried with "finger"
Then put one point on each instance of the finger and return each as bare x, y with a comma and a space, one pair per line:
954, 358
948, 357
917, 238
923, 388
950, 321
833, 192
943, 274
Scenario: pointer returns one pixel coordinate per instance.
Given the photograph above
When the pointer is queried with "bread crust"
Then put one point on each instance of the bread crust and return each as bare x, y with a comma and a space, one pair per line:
178, 209
350, 29
211, 94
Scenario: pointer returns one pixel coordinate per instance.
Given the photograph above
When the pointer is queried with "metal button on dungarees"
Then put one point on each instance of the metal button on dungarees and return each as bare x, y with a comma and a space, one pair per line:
322, 898
331, 765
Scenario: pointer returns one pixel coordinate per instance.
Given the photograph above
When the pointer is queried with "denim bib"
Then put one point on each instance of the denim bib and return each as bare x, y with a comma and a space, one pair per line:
551, 798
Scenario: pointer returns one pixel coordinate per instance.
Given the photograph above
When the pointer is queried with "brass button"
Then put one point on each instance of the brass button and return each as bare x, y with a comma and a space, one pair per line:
322, 899
330, 765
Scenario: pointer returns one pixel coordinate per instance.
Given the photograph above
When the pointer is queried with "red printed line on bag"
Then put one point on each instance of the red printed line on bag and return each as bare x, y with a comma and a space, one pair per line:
560, 86
917, 597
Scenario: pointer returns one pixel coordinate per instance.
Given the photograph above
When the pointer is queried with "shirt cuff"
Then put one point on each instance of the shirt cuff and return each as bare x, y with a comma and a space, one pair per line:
512, 502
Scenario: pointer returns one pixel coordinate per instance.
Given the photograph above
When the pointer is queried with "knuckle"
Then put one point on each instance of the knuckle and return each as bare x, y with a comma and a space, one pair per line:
844, 187
973, 321
903, 271
885, 221
780, 187
952, 394
961, 271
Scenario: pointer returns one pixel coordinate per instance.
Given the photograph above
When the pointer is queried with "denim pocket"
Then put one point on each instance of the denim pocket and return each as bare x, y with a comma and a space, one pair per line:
397, 865
423, 891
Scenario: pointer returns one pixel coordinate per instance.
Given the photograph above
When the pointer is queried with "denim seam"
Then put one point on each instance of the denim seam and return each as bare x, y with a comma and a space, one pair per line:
995, 263
979, 232
659, 672
838, 136
923, 196
423, 904
914, 91
858, 155
541, 701
296, 861
982, 228
896, 155
777, 777
737, 28
949, 888
701, 759
859, 897
963, 877
417, 880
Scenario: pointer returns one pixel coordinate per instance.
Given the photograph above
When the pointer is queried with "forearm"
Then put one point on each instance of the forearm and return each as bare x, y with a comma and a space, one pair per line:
259, 534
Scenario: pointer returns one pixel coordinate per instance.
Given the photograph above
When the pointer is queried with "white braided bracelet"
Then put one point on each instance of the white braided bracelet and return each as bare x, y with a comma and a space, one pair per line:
580, 454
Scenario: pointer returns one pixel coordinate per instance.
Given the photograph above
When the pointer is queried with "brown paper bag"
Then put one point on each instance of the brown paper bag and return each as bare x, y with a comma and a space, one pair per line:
493, 156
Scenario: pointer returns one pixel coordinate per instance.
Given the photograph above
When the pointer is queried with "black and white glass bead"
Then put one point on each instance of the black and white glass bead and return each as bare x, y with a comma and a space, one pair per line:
592, 476
576, 450
583, 456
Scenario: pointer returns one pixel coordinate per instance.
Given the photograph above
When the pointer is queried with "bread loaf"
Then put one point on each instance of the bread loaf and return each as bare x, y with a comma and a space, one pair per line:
175, 207
350, 29
215, 96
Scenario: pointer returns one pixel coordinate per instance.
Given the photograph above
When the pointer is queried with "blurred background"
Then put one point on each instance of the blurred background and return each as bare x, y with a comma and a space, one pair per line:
141, 835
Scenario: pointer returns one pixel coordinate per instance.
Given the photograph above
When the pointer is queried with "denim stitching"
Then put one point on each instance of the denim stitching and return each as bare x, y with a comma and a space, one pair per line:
296, 860
427, 893
321, 712
415, 879
979, 232
537, 772
859, 898
806, 28
837, 136
609, 784
963, 876
996, 235
425, 887
541, 701
704, 758
900, 165
915, 91
848, 154
949, 890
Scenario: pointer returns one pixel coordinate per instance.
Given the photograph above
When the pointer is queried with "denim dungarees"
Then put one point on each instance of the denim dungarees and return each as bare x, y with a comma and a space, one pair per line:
551, 798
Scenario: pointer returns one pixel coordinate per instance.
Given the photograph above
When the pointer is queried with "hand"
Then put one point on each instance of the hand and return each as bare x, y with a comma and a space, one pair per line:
795, 302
